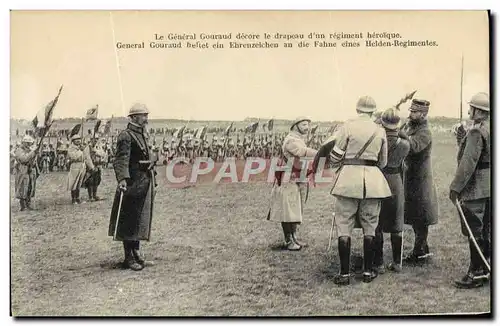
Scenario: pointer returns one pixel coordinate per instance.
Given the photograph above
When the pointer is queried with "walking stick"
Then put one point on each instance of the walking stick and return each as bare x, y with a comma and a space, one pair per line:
331, 232
471, 236
118, 214
402, 245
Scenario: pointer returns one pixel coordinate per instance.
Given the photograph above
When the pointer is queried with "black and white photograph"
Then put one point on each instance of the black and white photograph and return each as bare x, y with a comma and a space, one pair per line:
253, 163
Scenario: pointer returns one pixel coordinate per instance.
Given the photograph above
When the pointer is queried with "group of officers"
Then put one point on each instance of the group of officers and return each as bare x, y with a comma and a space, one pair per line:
383, 180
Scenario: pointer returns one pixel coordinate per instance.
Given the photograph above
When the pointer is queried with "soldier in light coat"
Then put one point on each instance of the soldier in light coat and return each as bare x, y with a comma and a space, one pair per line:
421, 205
93, 157
391, 218
289, 197
25, 172
77, 168
361, 149
471, 185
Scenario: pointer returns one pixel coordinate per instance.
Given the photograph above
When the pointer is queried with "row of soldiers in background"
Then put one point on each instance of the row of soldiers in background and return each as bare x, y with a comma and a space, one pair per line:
218, 148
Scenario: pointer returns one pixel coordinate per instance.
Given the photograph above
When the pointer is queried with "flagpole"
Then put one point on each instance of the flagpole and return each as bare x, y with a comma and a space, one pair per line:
461, 87
117, 59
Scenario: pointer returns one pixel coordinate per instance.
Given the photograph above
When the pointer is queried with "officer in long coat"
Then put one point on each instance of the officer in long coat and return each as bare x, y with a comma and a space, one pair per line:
25, 172
289, 195
391, 218
361, 149
132, 211
471, 185
421, 205
77, 168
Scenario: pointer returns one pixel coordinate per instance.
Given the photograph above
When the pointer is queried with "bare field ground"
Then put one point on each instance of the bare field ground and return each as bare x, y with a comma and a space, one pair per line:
216, 255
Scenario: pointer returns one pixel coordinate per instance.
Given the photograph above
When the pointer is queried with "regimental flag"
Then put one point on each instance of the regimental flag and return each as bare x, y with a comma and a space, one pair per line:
92, 113
270, 125
179, 132
264, 127
252, 128
43, 118
228, 130
107, 126
96, 127
200, 132
75, 130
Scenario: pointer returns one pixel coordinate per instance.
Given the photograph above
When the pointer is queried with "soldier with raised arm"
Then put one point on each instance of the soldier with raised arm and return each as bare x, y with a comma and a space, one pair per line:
292, 194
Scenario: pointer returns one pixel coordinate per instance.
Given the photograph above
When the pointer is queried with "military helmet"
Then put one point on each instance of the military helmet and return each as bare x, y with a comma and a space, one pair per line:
366, 104
377, 115
28, 139
390, 118
420, 106
480, 101
138, 108
299, 120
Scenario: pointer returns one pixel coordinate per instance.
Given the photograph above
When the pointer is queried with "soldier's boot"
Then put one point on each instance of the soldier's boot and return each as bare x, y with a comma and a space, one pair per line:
77, 196
294, 235
28, 204
138, 255
396, 245
94, 193
289, 243
22, 203
378, 254
344, 248
73, 198
476, 276
420, 253
369, 274
130, 261
89, 191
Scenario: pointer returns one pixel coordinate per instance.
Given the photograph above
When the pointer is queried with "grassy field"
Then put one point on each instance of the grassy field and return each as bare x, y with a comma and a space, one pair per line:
216, 255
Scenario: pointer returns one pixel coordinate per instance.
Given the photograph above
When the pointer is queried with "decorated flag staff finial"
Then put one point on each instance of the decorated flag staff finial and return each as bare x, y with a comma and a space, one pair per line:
405, 99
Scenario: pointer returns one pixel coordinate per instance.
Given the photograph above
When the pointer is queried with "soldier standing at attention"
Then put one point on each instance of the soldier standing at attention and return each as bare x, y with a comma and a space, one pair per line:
471, 185
292, 193
421, 205
132, 210
391, 218
361, 147
77, 168
25, 171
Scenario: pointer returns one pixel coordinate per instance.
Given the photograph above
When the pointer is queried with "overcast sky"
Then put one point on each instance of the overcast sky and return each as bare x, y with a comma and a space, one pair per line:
77, 49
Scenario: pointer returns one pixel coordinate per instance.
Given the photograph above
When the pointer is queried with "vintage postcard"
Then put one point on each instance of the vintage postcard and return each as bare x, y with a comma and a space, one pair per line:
250, 163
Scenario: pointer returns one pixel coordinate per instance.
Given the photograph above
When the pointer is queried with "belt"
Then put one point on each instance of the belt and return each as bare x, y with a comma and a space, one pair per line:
483, 165
351, 161
392, 170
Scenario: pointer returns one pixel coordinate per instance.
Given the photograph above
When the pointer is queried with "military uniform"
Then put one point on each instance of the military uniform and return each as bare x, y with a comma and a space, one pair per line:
131, 222
361, 148
421, 204
288, 198
391, 218
93, 157
25, 173
471, 185
77, 168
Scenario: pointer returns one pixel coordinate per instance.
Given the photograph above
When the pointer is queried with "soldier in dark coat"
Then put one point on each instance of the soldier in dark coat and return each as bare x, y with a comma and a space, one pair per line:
471, 185
421, 205
131, 215
391, 218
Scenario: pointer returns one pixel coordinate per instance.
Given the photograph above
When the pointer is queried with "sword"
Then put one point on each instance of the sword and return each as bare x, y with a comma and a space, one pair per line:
331, 233
471, 236
118, 214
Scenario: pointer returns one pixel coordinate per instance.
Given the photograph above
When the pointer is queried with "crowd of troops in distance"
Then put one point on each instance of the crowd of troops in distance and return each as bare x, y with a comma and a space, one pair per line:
384, 180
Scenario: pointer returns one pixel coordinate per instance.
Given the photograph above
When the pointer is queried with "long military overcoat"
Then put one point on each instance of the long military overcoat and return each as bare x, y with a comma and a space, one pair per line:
421, 203
77, 167
136, 211
25, 181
